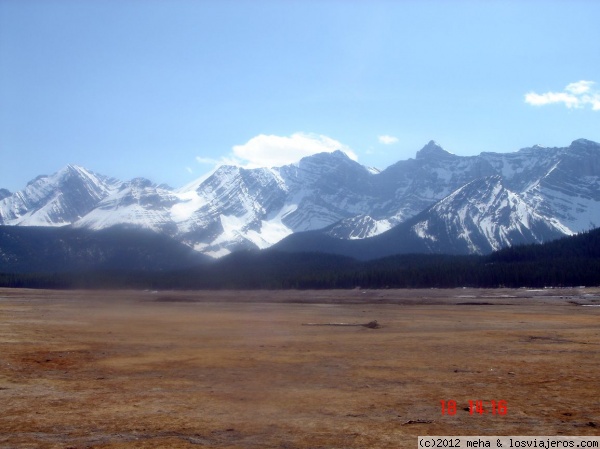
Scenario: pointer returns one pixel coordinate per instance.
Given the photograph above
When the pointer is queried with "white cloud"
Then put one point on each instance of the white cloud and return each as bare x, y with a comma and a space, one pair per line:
575, 95
273, 151
580, 87
387, 140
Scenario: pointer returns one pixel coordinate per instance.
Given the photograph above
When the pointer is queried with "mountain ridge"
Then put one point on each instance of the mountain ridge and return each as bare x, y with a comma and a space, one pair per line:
235, 208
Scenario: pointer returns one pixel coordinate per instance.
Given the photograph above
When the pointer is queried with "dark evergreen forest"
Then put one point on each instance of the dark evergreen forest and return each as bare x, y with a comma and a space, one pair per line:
570, 261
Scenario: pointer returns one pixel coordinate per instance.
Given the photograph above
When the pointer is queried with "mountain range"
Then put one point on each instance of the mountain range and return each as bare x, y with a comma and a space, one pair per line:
437, 202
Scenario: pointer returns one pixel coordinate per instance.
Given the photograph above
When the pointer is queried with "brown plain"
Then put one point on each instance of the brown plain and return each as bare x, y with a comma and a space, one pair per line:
236, 369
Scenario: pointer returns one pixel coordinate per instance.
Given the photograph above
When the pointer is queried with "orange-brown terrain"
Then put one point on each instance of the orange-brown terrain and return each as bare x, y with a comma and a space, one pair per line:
236, 369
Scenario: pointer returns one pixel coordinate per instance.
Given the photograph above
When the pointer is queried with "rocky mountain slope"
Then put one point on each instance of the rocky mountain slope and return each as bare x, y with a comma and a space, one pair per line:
460, 204
478, 218
56, 200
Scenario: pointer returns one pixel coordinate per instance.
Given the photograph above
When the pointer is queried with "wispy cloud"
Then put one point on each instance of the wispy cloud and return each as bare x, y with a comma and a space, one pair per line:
387, 140
575, 95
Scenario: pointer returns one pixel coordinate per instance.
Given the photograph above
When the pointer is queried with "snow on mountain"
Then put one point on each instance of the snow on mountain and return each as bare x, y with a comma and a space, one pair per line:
138, 202
484, 216
472, 204
478, 217
487, 201
358, 227
523, 167
569, 190
412, 185
56, 200
230, 210
325, 188
237, 208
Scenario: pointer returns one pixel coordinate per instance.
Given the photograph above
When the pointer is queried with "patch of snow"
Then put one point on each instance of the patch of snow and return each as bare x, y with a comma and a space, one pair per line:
190, 203
421, 230
217, 253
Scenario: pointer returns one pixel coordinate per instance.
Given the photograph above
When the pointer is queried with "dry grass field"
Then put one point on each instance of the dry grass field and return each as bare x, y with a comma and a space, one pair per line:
235, 369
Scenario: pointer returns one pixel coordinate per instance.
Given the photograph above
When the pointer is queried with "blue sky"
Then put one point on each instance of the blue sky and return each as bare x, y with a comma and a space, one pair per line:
166, 89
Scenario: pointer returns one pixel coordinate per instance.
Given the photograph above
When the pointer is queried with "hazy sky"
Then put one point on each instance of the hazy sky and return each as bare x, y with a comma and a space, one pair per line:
166, 89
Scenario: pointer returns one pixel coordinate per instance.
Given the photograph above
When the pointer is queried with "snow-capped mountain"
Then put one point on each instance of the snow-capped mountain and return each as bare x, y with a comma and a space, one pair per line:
480, 203
481, 217
56, 200
138, 202
569, 189
477, 218
239, 208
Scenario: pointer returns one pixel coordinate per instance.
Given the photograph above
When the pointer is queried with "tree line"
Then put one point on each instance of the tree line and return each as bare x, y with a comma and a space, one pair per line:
571, 261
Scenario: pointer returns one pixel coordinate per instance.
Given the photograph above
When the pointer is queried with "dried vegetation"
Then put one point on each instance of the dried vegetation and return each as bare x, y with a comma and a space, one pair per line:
238, 370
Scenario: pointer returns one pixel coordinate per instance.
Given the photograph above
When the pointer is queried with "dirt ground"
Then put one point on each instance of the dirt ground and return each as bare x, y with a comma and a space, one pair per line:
235, 369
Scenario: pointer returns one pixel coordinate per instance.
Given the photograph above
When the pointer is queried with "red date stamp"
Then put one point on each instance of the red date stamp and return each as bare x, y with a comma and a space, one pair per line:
476, 407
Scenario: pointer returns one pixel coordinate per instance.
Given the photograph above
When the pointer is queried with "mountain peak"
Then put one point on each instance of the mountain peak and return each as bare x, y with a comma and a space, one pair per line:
491, 197
583, 143
332, 159
141, 182
432, 150
325, 155
72, 168
340, 153
4, 193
